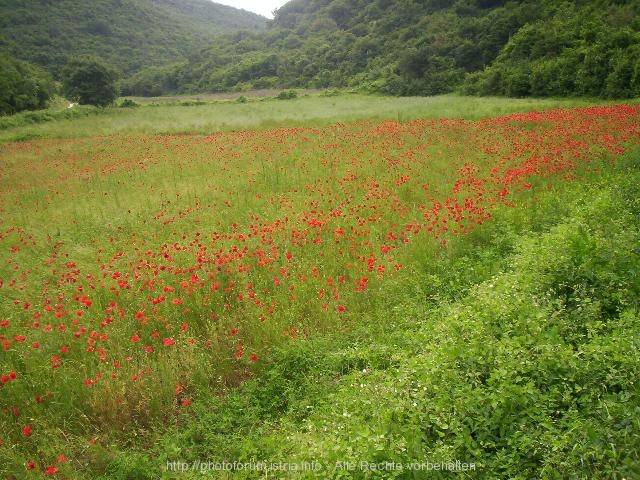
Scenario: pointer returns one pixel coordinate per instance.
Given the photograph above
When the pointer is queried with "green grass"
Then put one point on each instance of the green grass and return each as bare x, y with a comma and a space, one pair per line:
315, 315
206, 116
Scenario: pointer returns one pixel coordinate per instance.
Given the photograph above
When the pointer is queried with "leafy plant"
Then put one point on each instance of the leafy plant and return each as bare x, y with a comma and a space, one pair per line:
89, 81
23, 86
287, 95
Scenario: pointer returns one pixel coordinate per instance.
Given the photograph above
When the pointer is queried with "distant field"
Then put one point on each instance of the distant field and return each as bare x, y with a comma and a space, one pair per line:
203, 115
379, 278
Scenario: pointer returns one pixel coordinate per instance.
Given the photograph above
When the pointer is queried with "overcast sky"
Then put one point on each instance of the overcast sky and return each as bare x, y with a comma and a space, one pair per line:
263, 7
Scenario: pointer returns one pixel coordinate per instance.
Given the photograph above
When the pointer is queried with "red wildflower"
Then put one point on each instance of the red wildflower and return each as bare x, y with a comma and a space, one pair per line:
239, 351
158, 300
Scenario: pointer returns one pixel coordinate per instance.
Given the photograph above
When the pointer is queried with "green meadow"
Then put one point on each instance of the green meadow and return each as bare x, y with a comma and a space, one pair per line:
209, 114
328, 286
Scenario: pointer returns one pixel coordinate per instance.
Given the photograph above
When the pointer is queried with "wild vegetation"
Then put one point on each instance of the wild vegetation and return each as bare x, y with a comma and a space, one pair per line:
206, 114
23, 86
88, 81
127, 34
410, 47
383, 290
355, 285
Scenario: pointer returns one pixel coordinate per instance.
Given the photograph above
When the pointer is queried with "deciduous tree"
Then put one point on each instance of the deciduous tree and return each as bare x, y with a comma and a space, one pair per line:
88, 80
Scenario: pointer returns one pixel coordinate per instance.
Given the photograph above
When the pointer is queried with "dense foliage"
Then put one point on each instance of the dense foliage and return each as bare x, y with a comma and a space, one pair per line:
22, 86
576, 51
89, 81
423, 47
129, 34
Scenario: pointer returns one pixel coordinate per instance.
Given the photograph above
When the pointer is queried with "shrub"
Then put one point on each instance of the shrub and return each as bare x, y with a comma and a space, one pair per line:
287, 95
128, 103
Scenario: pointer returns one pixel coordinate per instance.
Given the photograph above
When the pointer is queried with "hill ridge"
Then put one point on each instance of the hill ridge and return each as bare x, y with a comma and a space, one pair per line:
129, 34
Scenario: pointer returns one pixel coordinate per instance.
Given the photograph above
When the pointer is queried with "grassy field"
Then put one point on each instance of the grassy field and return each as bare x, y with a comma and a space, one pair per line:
368, 287
206, 115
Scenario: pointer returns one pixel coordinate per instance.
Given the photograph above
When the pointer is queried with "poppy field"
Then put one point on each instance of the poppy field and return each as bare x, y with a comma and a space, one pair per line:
142, 273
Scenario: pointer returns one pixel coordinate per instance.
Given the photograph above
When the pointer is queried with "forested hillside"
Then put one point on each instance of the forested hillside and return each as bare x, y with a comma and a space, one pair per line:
23, 86
400, 47
129, 34
409, 47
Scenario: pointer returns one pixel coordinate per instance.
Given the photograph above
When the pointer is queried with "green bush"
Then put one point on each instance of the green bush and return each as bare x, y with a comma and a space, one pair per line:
128, 103
23, 86
554, 77
42, 116
287, 95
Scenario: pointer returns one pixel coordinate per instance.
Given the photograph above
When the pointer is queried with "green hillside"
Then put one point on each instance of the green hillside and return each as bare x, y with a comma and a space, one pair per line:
424, 47
129, 34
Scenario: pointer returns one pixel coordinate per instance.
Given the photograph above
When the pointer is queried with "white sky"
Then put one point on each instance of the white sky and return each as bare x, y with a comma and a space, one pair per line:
263, 7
